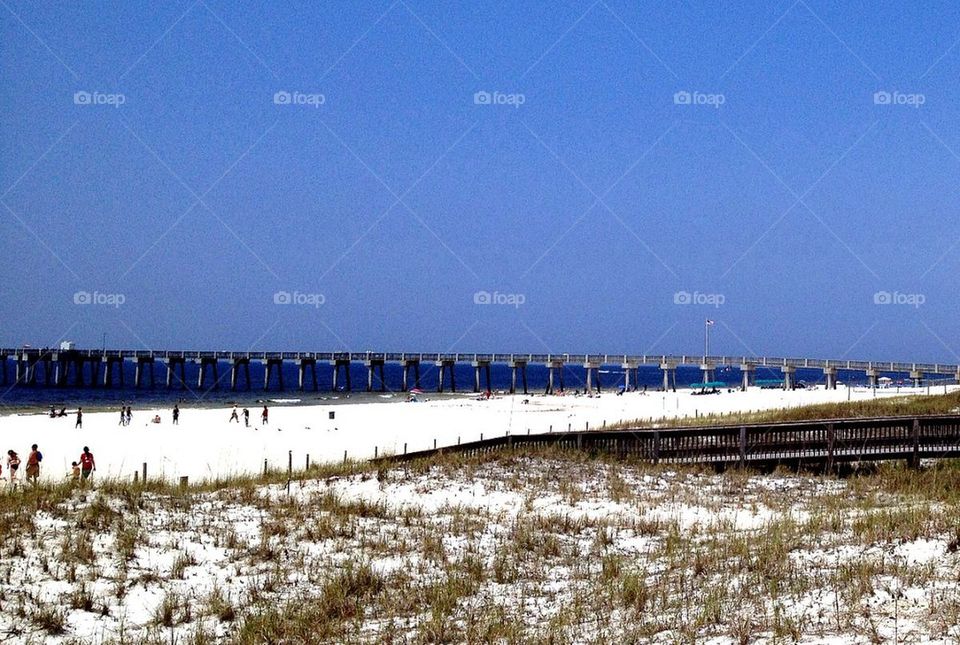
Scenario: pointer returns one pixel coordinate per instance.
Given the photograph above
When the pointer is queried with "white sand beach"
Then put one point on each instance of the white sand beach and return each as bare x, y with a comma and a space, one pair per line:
206, 445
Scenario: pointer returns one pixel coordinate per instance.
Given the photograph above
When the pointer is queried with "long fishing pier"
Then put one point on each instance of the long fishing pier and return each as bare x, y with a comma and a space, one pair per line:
823, 443
105, 368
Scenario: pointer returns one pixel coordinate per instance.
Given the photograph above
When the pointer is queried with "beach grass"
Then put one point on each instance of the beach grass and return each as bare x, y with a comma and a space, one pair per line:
545, 545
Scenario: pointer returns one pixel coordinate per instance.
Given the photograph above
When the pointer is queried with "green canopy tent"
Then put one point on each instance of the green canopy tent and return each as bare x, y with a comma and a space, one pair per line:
709, 384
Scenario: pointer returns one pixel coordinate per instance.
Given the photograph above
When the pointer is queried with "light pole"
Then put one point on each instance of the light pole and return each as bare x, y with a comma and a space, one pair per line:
707, 324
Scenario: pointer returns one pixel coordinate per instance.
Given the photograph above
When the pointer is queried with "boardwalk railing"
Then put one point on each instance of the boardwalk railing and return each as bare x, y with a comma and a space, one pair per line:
823, 442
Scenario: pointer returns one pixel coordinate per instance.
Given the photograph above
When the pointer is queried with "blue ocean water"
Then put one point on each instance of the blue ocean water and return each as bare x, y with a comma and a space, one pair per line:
611, 378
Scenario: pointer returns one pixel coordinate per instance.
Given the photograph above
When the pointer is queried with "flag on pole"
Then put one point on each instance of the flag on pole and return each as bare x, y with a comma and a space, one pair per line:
709, 322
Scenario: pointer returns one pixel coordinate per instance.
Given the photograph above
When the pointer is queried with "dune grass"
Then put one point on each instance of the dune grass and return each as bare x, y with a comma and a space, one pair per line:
552, 546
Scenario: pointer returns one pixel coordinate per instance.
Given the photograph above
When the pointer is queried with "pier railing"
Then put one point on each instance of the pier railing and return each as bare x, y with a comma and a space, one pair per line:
32, 353
822, 443
62, 366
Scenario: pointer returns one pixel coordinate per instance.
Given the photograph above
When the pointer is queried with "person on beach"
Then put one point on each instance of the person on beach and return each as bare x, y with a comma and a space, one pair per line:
234, 416
13, 465
246, 417
123, 416
176, 415
33, 464
79, 423
53, 412
87, 464
74, 472
264, 416
129, 414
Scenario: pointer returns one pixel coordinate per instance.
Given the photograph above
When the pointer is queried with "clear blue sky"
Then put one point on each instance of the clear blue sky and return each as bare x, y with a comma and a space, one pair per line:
785, 193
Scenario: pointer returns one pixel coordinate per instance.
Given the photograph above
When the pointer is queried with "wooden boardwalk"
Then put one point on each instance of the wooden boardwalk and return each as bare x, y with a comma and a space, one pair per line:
823, 443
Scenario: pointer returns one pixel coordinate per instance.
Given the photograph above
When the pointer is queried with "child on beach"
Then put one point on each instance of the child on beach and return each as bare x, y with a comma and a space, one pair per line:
246, 417
234, 416
264, 415
79, 423
176, 415
74, 472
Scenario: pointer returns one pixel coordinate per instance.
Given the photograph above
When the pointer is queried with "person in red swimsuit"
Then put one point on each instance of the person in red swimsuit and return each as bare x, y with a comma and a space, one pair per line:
87, 464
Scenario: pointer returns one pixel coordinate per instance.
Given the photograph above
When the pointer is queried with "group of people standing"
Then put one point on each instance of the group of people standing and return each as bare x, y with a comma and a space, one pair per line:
264, 416
126, 416
79, 470
33, 465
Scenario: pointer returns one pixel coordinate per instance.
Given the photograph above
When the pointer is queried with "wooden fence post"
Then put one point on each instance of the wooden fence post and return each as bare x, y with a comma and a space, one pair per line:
831, 443
743, 446
915, 456
144, 472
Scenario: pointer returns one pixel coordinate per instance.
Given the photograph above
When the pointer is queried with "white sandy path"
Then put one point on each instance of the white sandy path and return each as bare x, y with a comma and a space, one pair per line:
205, 445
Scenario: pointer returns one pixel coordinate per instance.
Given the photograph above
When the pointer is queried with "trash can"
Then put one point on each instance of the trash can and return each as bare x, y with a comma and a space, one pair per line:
332, 414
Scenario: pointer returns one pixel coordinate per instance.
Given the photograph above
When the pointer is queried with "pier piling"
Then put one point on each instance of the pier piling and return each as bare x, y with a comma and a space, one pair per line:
408, 364
235, 365
518, 365
272, 366
303, 364
446, 365
338, 364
